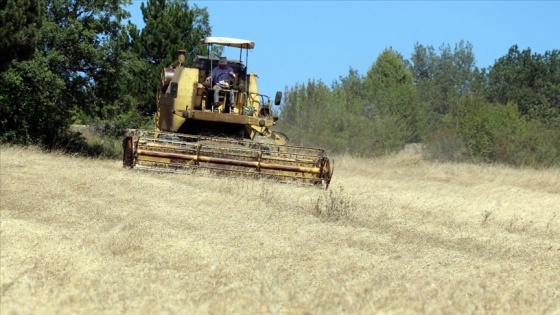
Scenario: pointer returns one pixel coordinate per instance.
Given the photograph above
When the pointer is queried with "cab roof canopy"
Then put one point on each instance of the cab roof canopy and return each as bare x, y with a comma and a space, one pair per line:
228, 41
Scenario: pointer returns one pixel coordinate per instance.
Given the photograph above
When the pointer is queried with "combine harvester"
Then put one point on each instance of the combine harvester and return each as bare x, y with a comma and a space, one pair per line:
195, 132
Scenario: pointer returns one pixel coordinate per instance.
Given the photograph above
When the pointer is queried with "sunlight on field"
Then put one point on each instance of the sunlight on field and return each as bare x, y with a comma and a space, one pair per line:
391, 235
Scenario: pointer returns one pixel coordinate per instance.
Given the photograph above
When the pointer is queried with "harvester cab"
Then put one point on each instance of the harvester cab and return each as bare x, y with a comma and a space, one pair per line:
219, 122
189, 102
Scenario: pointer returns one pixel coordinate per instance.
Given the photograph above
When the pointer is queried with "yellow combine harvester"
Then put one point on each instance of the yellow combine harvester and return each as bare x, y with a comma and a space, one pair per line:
229, 135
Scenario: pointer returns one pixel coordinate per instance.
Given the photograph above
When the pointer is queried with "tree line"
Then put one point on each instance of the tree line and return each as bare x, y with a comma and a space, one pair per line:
508, 113
79, 62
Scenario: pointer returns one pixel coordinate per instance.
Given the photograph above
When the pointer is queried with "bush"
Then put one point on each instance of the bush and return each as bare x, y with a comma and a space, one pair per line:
485, 132
541, 146
30, 108
445, 145
389, 135
89, 144
333, 205
491, 133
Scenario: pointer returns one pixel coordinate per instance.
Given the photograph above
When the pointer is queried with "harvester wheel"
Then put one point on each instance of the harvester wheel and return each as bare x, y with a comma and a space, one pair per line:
330, 170
128, 152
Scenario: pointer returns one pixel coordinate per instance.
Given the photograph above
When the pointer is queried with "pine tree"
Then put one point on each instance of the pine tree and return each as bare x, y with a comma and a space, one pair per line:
169, 26
393, 100
20, 21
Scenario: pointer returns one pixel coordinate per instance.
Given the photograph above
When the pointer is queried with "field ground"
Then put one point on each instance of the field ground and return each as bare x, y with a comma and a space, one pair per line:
397, 235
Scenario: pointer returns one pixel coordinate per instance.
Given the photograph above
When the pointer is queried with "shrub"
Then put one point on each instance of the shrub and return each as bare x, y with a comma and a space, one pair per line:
445, 145
493, 133
334, 205
500, 134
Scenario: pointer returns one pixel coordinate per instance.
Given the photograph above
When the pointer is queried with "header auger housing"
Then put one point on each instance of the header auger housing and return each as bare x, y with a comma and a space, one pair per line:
196, 132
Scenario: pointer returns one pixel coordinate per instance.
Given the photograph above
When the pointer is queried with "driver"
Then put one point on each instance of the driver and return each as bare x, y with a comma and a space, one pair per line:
221, 75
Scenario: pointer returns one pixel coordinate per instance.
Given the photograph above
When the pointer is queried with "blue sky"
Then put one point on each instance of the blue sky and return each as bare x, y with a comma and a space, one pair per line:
296, 41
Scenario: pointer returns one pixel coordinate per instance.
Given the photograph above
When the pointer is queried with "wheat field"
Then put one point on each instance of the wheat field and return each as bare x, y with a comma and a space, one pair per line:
395, 235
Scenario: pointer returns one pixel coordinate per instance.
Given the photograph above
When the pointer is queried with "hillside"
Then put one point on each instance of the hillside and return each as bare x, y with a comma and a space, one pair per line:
392, 235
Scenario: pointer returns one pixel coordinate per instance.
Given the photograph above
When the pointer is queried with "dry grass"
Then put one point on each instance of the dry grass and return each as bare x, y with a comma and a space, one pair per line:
396, 235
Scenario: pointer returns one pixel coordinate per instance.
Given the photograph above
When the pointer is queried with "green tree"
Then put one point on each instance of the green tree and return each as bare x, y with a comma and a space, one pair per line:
20, 21
83, 42
393, 100
442, 79
170, 25
359, 116
304, 113
499, 133
31, 106
350, 128
332, 118
531, 80
78, 69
